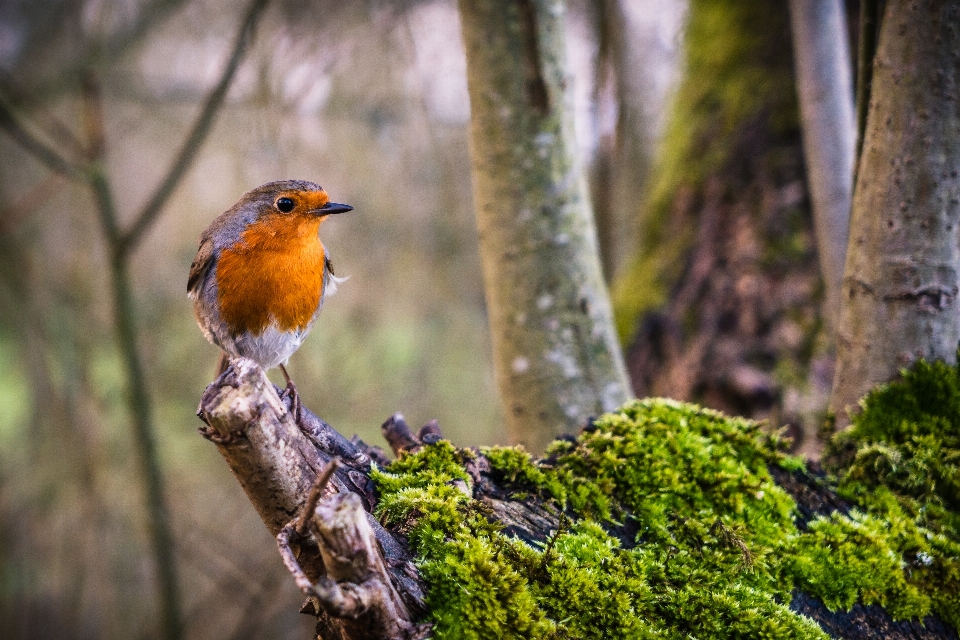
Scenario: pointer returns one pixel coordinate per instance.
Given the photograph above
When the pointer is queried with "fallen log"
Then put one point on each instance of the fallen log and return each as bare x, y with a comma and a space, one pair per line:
314, 489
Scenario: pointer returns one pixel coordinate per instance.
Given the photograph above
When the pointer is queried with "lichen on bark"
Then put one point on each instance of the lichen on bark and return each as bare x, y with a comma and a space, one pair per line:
557, 358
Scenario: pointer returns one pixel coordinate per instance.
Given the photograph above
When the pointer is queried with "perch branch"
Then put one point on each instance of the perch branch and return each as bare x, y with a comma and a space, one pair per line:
279, 463
356, 589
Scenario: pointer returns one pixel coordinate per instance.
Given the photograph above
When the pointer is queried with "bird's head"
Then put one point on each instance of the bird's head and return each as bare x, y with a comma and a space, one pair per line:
292, 199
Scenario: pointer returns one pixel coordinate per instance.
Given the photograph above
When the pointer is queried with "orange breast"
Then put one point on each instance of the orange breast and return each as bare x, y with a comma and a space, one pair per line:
275, 273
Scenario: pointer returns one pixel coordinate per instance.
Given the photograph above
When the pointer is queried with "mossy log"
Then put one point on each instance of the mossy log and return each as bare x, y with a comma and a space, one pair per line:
660, 520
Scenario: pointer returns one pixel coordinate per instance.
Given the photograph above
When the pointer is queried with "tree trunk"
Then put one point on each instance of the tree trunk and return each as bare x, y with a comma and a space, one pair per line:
901, 277
626, 103
822, 52
557, 358
722, 304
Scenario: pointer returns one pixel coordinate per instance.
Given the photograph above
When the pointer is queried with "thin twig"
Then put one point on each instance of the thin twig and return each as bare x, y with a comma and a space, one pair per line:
198, 134
53, 160
19, 98
314, 496
97, 178
287, 534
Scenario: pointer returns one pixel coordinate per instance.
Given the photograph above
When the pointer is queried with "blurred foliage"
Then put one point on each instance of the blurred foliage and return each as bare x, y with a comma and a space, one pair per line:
364, 99
369, 100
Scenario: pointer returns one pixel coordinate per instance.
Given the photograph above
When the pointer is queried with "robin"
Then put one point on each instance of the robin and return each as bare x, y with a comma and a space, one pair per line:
261, 274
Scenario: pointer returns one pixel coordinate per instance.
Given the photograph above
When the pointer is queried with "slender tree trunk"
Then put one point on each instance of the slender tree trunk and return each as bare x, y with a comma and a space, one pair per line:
901, 279
624, 85
557, 358
822, 58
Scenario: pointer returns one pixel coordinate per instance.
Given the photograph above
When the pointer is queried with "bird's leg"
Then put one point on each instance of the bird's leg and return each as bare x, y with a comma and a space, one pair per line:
291, 392
222, 365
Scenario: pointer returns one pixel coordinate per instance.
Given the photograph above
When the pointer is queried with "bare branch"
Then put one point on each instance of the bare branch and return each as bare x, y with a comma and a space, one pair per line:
201, 128
315, 492
96, 141
278, 461
22, 100
398, 435
40, 150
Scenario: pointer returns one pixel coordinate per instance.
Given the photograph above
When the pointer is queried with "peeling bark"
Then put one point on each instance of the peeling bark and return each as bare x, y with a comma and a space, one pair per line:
901, 277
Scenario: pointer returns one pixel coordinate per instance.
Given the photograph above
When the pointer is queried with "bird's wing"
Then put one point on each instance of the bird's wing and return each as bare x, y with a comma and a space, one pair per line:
201, 265
330, 281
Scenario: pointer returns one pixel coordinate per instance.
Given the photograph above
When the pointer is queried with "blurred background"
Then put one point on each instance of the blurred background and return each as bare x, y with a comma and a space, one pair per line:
367, 99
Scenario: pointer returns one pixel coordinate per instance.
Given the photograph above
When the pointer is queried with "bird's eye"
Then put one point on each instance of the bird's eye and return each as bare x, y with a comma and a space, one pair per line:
285, 205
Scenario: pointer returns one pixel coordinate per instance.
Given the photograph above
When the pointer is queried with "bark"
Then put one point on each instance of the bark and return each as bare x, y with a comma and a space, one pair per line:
722, 304
276, 462
871, 11
557, 358
359, 576
901, 278
358, 589
822, 56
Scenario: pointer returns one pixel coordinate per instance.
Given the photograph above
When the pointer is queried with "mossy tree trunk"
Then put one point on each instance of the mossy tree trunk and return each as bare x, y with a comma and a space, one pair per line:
722, 304
901, 279
557, 357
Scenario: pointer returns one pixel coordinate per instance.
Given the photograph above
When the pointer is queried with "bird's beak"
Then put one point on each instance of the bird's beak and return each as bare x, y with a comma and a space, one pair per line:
333, 207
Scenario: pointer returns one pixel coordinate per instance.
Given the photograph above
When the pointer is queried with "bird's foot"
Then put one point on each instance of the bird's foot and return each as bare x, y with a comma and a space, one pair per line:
290, 391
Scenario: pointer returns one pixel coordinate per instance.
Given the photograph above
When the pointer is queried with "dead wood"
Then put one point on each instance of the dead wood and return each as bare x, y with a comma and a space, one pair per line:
312, 488
277, 462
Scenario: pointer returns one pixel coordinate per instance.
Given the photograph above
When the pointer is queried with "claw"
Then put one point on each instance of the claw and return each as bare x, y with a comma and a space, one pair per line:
290, 391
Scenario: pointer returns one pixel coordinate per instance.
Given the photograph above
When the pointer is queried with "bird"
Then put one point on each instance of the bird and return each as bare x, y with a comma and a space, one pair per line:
261, 274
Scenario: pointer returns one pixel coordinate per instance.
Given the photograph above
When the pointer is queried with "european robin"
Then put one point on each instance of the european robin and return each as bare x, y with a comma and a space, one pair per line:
261, 274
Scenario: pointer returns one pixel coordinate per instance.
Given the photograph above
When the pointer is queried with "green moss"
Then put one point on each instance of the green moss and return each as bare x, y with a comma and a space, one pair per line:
901, 462
712, 549
849, 559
